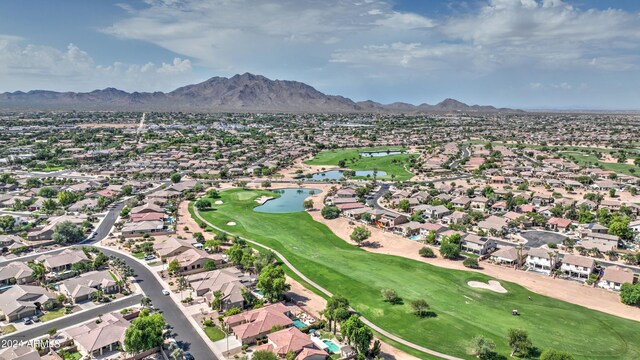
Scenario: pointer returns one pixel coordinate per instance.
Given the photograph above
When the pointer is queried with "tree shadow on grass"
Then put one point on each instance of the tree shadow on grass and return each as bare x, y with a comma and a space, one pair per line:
427, 314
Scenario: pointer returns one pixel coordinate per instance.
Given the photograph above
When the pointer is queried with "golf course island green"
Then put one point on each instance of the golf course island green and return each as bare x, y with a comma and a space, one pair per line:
393, 165
460, 312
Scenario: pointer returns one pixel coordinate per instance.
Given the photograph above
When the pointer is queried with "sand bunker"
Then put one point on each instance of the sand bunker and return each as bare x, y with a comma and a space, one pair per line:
218, 202
231, 223
491, 285
263, 199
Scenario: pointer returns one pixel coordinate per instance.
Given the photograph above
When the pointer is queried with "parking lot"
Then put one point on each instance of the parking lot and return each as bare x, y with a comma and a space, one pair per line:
536, 239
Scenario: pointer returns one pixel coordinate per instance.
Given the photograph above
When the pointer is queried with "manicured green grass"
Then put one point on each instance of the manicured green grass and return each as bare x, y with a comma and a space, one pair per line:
7, 329
138, 255
50, 315
461, 311
214, 333
586, 159
391, 164
72, 356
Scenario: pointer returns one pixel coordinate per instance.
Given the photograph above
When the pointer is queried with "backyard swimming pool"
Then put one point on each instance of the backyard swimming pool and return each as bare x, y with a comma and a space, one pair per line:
331, 346
290, 200
299, 324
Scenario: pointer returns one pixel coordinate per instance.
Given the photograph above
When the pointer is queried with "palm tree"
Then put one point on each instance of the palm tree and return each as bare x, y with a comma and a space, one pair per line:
97, 295
183, 284
216, 303
38, 272
145, 301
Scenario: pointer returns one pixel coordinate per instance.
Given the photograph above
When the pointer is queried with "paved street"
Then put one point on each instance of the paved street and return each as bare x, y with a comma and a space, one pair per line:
173, 314
40, 329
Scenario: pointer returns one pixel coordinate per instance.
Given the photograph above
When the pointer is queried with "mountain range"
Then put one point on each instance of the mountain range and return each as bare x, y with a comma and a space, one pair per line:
240, 93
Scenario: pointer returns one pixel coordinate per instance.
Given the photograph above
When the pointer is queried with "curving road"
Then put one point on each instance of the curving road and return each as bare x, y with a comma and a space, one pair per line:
328, 293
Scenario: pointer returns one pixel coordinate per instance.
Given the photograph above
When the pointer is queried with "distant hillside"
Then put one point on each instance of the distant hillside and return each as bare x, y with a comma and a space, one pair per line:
240, 93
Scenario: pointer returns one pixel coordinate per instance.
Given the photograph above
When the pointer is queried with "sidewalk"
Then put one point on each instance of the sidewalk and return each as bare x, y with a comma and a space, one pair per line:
176, 299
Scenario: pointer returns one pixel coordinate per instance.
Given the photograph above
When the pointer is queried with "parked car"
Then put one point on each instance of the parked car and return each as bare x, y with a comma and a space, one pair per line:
35, 319
27, 321
188, 356
150, 257
165, 292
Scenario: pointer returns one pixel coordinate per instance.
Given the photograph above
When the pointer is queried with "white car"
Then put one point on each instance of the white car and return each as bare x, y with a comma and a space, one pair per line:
165, 292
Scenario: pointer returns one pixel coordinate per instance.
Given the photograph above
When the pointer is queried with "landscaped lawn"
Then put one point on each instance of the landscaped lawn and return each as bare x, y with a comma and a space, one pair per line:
461, 311
7, 329
53, 314
72, 356
214, 333
138, 255
391, 164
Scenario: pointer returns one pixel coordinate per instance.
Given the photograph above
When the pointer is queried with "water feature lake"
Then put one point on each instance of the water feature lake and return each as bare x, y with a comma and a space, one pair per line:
337, 174
380, 153
290, 200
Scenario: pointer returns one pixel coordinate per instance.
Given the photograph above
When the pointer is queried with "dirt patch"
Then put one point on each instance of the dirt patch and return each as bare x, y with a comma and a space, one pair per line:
263, 199
491, 285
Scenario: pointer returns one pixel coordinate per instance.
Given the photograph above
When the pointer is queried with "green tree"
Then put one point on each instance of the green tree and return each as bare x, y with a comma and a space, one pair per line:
330, 212
67, 232
471, 263
47, 192
518, 341
360, 234
175, 178
619, 226
272, 282
449, 250
198, 237
49, 206
202, 204
209, 265
482, 347
174, 267
419, 307
630, 294
264, 355
308, 204
330, 311
213, 193
38, 273
426, 252
7, 222
144, 333
431, 237
390, 296
66, 198
127, 190
403, 205
552, 354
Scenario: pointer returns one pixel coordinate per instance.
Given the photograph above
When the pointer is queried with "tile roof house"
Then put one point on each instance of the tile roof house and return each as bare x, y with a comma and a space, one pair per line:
615, 276
285, 341
15, 272
577, 266
62, 261
81, 287
95, 339
255, 324
24, 300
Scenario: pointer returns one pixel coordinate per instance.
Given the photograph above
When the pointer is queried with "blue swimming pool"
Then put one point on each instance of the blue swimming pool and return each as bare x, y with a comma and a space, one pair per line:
331, 346
415, 237
299, 324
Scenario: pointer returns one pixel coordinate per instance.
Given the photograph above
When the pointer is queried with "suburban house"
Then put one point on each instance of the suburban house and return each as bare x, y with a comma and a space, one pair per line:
230, 281
256, 324
433, 212
509, 256
577, 266
46, 232
312, 354
15, 272
80, 288
479, 203
193, 260
140, 228
538, 259
559, 224
25, 300
171, 247
63, 261
493, 224
95, 339
477, 245
289, 340
615, 276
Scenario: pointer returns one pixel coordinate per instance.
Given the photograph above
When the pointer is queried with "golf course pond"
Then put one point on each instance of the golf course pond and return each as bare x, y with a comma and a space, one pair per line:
337, 174
290, 200
380, 153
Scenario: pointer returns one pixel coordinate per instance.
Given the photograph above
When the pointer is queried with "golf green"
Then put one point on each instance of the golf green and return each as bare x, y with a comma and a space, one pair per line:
461, 312
393, 165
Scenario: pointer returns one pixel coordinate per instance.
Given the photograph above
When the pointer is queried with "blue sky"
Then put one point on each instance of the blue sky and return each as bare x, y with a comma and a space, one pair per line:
517, 53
